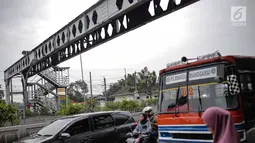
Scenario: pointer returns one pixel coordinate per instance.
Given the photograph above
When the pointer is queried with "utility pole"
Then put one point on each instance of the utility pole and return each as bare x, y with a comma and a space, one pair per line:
135, 82
105, 90
125, 77
82, 75
91, 92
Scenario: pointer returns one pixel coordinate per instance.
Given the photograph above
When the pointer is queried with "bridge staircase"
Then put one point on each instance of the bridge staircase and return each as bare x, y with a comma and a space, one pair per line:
42, 93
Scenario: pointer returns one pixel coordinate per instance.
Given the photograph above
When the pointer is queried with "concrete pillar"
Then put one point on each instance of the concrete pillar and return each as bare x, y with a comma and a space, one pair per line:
57, 99
11, 94
7, 90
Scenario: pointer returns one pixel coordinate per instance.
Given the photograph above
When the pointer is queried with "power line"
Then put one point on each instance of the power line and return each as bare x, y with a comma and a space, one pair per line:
76, 78
113, 69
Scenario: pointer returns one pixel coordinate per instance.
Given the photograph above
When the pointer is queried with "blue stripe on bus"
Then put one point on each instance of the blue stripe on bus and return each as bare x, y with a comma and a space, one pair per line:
180, 141
191, 128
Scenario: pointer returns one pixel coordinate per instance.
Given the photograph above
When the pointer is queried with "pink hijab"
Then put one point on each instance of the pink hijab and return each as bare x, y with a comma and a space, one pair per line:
220, 121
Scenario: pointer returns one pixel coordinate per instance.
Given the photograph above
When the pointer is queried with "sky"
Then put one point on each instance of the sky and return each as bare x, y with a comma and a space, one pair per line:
198, 29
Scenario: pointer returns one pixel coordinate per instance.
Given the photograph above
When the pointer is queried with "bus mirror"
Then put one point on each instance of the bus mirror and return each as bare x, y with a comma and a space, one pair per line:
219, 79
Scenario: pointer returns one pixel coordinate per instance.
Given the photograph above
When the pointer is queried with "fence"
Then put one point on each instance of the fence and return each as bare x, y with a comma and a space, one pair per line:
14, 133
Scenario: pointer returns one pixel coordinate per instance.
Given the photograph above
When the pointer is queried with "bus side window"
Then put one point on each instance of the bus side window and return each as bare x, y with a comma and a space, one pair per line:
246, 82
248, 98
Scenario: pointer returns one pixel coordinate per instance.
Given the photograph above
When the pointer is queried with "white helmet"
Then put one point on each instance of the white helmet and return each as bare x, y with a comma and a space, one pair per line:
147, 109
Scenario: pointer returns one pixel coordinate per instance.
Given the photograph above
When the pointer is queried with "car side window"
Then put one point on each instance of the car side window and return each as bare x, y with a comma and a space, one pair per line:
103, 121
78, 127
120, 119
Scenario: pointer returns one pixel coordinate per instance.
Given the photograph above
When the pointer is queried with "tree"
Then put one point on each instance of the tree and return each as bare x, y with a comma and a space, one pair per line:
90, 105
113, 89
8, 113
147, 82
76, 90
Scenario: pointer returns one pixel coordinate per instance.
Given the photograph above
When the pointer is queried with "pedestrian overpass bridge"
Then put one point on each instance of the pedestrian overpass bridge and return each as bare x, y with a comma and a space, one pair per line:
104, 21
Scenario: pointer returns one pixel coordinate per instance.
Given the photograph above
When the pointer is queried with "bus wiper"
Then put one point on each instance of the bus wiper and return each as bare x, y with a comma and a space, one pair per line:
200, 102
177, 98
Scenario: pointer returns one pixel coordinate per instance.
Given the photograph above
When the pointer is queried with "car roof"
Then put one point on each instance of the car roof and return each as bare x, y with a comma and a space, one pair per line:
82, 115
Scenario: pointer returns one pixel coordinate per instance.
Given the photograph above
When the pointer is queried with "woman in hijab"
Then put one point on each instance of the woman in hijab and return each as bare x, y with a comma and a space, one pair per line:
144, 126
220, 123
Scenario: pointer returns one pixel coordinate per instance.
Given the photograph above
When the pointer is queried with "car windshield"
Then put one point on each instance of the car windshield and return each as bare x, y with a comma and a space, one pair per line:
53, 128
199, 93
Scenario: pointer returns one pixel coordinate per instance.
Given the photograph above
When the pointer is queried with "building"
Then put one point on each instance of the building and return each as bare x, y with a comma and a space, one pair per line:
100, 99
122, 94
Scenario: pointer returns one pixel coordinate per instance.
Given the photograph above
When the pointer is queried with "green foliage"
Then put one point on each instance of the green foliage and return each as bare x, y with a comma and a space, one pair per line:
29, 113
145, 82
152, 101
71, 109
98, 108
76, 90
75, 109
114, 88
112, 105
8, 113
64, 110
129, 105
143, 104
90, 105
44, 111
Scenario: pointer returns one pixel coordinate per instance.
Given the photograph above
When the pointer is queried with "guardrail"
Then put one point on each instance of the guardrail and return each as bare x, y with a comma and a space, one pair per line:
14, 133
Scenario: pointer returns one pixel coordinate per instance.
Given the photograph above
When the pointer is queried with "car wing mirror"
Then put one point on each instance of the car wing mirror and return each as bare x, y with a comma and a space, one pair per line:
65, 135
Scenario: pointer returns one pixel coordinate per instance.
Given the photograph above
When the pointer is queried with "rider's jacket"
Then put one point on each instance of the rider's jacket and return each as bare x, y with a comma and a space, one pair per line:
154, 122
143, 128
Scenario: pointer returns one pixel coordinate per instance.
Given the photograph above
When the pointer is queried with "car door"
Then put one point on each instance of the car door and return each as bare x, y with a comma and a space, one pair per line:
80, 132
103, 129
123, 124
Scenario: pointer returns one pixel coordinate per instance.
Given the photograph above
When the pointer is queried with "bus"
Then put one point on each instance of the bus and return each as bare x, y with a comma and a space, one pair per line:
190, 86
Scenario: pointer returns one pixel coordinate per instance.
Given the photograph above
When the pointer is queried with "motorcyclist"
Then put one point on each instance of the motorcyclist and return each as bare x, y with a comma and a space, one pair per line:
144, 125
142, 128
153, 119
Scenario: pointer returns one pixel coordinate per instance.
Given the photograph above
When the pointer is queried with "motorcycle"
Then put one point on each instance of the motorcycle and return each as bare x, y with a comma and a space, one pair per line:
139, 138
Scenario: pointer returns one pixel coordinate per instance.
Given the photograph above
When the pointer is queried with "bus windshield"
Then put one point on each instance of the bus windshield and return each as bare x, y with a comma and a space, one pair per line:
201, 93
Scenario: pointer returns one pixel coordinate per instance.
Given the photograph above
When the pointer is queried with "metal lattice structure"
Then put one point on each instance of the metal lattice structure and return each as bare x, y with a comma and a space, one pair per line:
50, 80
105, 20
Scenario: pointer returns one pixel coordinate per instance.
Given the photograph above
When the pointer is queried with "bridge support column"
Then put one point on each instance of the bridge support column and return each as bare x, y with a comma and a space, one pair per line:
11, 93
7, 90
25, 96
57, 102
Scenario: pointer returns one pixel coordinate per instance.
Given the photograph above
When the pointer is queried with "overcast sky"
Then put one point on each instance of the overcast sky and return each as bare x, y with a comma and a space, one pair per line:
201, 28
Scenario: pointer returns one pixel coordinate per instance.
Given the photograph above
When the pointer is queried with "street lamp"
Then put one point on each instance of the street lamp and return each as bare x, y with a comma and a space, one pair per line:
25, 94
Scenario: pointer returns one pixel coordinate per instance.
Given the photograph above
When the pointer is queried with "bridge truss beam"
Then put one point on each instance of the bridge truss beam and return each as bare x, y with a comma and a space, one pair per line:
105, 20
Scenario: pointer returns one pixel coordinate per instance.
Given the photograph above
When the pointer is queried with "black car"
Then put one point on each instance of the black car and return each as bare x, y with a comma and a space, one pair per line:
98, 127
